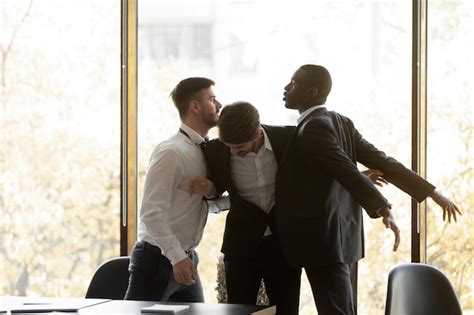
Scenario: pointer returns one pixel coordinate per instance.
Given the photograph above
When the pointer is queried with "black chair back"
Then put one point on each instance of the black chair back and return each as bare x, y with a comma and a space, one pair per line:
110, 281
418, 289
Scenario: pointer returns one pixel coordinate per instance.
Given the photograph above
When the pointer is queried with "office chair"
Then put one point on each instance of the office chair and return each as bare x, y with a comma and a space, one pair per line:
418, 289
110, 280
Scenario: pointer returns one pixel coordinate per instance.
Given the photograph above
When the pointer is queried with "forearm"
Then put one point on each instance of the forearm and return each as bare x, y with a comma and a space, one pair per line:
393, 171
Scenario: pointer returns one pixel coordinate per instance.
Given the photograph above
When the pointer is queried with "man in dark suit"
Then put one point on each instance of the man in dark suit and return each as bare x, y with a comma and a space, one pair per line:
244, 163
319, 192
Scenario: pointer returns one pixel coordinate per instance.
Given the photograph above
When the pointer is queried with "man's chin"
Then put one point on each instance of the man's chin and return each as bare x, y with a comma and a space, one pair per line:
211, 124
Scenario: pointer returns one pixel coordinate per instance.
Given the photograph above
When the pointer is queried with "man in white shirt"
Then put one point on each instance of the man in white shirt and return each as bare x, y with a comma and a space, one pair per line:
163, 263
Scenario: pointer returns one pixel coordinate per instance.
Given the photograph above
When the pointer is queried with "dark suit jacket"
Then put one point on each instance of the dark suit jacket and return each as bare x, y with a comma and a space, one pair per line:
319, 190
246, 222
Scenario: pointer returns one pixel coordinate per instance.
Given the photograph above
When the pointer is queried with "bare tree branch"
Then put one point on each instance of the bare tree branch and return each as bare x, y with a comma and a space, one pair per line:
6, 52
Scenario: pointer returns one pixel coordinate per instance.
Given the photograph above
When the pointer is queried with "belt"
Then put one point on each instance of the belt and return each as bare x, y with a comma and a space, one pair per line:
188, 252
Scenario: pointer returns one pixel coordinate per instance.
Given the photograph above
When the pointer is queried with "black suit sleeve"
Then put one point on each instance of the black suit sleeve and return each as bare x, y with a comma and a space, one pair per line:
212, 157
319, 145
394, 171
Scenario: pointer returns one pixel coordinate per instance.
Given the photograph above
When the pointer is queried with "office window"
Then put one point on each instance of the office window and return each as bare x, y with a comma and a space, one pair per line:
179, 42
366, 45
60, 119
450, 141
59, 143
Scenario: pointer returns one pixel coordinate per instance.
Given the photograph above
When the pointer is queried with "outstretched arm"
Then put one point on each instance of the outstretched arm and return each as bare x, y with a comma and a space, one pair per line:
403, 178
319, 136
449, 208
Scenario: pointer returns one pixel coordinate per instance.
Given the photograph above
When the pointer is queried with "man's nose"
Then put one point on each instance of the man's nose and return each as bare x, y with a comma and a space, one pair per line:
234, 151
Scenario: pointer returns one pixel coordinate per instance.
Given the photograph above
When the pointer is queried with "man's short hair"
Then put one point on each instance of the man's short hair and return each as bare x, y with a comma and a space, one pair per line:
319, 77
186, 90
238, 123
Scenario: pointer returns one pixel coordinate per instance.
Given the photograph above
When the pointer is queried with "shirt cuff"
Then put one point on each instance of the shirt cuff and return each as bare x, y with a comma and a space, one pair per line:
176, 255
379, 210
213, 196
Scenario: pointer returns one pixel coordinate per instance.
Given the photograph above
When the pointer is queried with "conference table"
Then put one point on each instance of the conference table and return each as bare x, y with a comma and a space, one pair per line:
10, 305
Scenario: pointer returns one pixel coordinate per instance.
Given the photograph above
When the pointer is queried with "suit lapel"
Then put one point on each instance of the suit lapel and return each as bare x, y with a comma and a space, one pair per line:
224, 160
290, 145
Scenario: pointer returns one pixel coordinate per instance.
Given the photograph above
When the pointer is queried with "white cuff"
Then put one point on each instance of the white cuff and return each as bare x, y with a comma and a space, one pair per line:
176, 255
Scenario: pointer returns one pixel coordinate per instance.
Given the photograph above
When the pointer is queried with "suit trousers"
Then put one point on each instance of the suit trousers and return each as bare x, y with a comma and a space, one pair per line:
243, 276
354, 272
332, 289
152, 279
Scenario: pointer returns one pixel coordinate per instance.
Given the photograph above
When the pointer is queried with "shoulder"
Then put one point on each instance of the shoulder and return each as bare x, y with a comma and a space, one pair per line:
326, 119
168, 149
339, 118
316, 121
214, 144
317, 127
272, 128
165, 150
279, 132
214, 148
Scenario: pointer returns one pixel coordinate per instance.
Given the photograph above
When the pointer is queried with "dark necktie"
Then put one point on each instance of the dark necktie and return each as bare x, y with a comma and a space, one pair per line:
204, 143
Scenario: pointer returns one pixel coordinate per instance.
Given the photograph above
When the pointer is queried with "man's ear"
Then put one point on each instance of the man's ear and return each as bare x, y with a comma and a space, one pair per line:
314, 91
194, 106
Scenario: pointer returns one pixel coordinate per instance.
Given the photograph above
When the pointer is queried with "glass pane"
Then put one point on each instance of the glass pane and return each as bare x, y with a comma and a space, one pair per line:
59, 144
251, 54
450, 141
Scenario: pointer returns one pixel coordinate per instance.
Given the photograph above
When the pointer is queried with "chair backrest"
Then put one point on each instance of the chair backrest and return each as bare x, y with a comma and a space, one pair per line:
420, 289
110, 280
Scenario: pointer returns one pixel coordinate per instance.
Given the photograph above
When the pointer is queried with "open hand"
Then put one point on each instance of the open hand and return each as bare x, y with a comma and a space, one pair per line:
200, 186
449, 208
389, 222
376, 177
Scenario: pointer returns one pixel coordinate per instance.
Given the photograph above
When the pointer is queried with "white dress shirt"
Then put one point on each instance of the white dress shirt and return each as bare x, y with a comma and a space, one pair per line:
254, 176
309, 111
170, 218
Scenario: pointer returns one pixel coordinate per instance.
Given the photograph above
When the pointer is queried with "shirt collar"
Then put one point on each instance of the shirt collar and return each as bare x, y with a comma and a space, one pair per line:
309, 111
193, 135
266, 144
